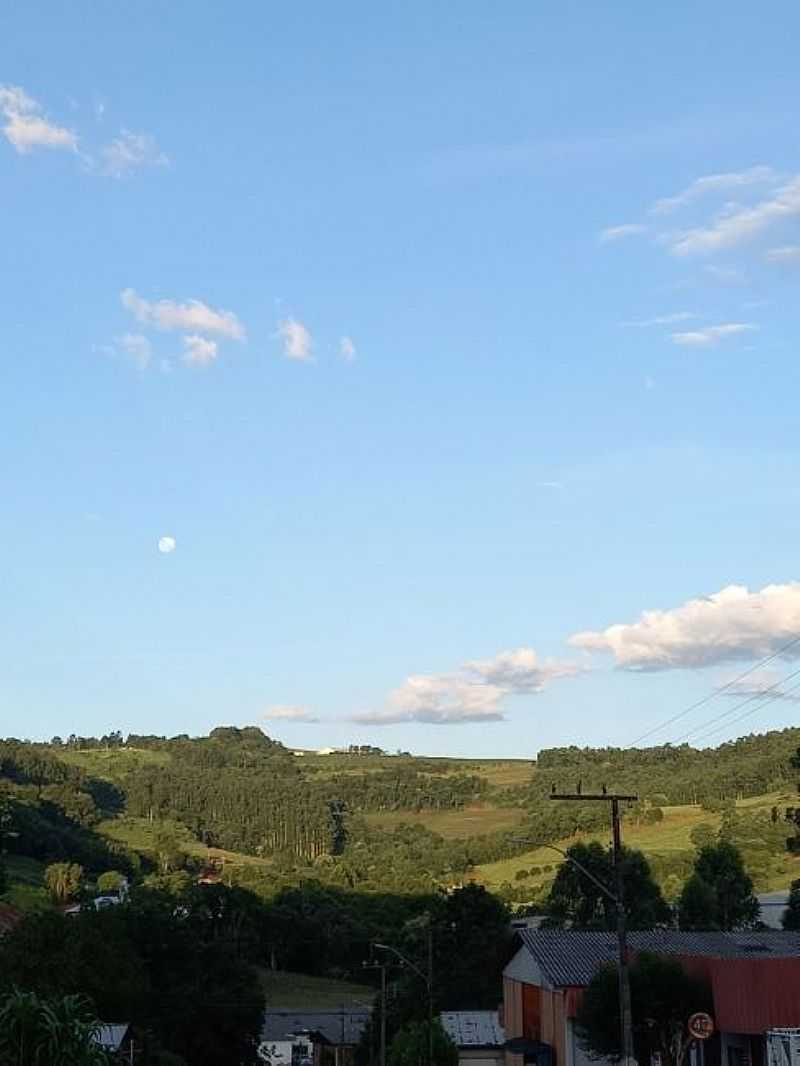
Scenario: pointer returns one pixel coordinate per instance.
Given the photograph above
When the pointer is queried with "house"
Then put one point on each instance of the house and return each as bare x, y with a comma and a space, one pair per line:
754, 979
311, 1038
772, 905
478, 1035
116, 1039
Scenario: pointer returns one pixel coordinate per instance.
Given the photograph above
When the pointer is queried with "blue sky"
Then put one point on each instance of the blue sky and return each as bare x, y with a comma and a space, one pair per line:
444, 341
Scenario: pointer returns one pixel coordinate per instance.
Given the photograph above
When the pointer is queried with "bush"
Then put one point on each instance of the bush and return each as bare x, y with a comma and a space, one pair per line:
63, 880
110, 881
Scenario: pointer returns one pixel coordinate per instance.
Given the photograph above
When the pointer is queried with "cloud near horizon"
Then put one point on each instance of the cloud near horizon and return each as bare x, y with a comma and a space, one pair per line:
731, 624
765, 684
473, 694
285, 712
522, 670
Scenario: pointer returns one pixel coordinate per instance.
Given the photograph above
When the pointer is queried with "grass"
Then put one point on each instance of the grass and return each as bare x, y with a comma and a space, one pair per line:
26, 889
24, 871
302, 992
670, 836
139, 834
114, 763
451, 824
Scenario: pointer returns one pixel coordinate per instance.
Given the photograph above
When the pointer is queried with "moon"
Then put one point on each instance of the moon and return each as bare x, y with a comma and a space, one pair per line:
166, 545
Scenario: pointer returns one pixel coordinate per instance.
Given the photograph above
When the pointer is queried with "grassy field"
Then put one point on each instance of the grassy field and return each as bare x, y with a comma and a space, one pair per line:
671, 835
452, 824
140, 834
26, 883
296, 990
114, 763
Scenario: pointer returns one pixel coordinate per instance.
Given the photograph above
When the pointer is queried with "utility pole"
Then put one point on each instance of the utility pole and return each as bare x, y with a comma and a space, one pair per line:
618, 896
382, 967
426, 977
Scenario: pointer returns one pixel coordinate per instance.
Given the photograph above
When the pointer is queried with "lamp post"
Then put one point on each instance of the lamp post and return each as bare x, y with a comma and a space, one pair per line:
426, 977
382, 967
617, 898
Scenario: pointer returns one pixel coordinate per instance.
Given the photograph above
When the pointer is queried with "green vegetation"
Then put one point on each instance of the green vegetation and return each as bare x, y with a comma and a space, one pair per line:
35, 1030
719, 894
576, 900
300, 991
663, 996
368, 821
452, 824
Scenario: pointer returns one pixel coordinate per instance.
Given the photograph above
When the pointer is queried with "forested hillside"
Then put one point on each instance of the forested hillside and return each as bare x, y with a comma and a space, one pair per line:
359, 820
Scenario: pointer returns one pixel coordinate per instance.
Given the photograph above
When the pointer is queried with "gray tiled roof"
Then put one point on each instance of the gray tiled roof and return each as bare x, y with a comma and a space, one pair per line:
337, 1026
473, 1028
570, 957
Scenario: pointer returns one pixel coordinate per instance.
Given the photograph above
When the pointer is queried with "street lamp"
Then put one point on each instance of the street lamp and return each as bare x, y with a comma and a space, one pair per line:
427, 978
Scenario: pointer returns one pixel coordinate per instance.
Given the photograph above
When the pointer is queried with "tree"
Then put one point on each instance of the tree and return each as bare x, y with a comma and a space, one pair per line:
110, 881
59, 1031
703, 835
663, 997
719, 894
412, 1045
3, 877
791, 916
63, 880
577, 902
470, 943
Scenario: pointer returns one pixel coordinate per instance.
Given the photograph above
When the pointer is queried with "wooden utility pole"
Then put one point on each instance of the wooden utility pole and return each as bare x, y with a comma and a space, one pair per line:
618, 896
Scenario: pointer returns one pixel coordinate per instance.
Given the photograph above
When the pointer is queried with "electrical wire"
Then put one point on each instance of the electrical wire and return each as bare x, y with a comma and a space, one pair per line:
762, 693
778, 696
716, 692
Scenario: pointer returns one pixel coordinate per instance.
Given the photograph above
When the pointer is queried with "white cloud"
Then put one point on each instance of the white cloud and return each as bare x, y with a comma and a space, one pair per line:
298, 344
762, 684
347, 349
662, 320
714, 183
199, 350
26, 126
521, 670
130, 151
473, 694
617, 233
439, 700
710, 335
733, 623
167, 545
284, 712
787, 255
740, 224
137, 347
191, 315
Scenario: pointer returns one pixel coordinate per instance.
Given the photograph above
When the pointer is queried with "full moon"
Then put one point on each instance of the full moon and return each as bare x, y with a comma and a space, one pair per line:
166, 545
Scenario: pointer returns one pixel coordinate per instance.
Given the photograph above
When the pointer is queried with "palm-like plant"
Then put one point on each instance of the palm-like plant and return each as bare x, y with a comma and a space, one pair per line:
39, 1032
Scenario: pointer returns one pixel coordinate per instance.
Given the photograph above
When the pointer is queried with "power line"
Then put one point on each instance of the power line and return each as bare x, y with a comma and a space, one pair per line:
716, 692
771, 699
760, 695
